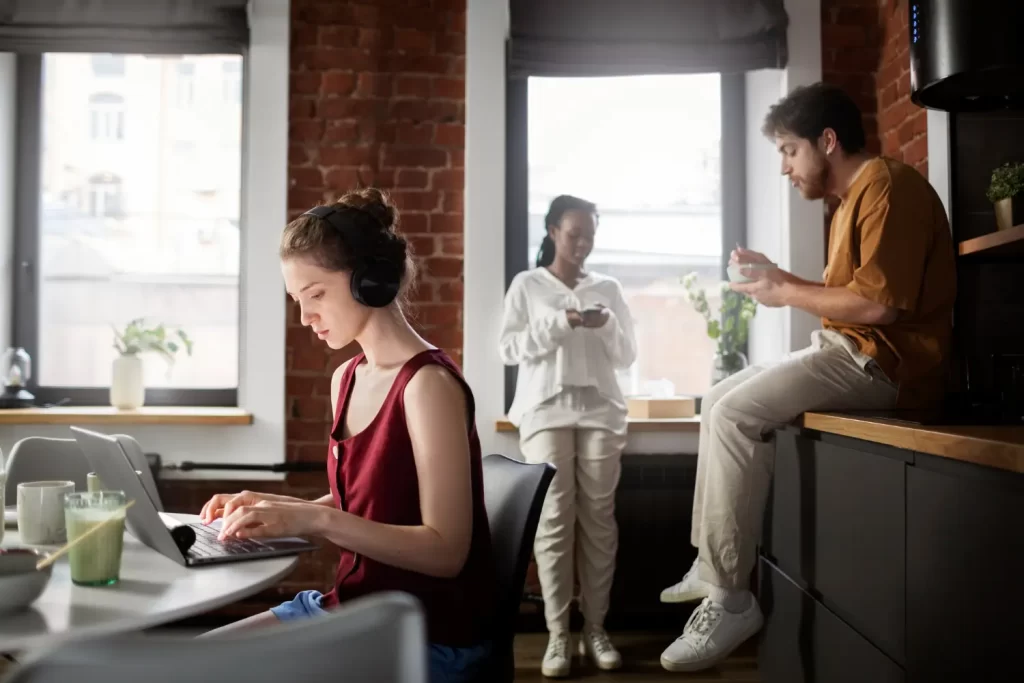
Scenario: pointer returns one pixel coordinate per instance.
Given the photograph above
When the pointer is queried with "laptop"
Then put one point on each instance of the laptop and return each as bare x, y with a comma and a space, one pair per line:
187, 543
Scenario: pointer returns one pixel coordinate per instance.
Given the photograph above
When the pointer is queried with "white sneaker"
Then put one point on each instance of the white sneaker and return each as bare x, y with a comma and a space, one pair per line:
556, 657
711, 635
690, 589
594, 643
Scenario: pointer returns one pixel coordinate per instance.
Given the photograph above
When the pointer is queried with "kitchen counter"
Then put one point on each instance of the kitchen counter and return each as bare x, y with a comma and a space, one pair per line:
1000, 447
873, 529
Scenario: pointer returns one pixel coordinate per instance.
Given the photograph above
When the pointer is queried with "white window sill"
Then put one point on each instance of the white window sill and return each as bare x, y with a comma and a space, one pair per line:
633, 424
106, 415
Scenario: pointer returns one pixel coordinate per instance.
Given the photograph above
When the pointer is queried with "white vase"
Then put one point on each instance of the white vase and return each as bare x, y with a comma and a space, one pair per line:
127, 388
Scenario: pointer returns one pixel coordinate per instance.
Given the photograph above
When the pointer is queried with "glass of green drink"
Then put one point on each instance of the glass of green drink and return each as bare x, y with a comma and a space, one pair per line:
96, 561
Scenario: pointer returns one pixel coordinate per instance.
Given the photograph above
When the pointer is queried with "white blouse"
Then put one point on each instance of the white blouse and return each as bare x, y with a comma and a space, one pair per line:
566, 376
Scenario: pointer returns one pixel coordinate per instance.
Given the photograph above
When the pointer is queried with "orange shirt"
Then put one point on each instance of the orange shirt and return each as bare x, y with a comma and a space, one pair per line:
890, 243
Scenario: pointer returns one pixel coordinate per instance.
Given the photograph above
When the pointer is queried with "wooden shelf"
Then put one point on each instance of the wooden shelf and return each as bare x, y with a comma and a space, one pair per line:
1000, 243
671, 424
106, 415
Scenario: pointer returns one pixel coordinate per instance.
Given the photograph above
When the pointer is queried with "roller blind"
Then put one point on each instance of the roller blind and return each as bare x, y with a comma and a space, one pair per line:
635, 37
128, 26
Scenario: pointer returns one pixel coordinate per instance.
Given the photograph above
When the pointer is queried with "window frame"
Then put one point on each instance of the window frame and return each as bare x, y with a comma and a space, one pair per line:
25, 284
517, 185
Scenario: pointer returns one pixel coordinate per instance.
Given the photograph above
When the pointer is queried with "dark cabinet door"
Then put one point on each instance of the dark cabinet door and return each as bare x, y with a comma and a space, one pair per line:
803, 642
836, 525
965, 573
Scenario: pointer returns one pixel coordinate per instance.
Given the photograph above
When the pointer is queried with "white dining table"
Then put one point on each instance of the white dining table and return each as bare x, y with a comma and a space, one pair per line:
153, 590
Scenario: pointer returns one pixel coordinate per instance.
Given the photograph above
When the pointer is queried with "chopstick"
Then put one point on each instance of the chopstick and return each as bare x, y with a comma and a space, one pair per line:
49, 559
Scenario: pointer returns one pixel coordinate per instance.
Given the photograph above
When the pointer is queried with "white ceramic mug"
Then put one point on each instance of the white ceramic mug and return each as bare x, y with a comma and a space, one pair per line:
41, 511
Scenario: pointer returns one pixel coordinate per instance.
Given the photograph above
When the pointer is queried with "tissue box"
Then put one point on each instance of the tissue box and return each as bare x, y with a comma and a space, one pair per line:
644, 407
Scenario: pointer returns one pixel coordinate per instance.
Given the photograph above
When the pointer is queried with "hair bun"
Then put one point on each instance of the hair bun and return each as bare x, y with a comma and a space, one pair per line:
374, 202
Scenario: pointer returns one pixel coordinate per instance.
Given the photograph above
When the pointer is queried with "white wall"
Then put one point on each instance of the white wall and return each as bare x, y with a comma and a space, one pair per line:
782, 224
803, 235
938, 156
765, 187
484, 271
8, 136
262, 351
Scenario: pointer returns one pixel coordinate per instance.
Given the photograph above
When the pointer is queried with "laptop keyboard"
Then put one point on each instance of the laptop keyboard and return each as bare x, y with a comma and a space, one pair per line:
208, 545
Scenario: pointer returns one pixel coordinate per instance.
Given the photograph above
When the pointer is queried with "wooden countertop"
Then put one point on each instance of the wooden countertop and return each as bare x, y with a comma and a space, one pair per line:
675, 424
992, 446
156, 415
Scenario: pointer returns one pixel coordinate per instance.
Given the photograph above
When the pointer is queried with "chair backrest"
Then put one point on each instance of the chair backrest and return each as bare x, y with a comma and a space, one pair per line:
514, 494
138, 459
381, 637
36, 458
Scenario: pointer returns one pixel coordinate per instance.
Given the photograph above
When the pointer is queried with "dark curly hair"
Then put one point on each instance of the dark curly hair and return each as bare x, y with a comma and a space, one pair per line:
809, 110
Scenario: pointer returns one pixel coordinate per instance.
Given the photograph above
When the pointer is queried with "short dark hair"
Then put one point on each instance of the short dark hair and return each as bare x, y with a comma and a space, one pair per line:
560, 205
809, 110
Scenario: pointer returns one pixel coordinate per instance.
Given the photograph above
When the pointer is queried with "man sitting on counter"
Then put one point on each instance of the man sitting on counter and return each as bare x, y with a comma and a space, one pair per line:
886, 306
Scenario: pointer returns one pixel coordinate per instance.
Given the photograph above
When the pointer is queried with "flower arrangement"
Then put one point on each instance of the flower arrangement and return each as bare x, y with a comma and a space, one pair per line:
730, 329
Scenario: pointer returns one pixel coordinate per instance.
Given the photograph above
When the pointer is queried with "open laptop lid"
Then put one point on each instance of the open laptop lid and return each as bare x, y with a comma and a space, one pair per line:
107, 459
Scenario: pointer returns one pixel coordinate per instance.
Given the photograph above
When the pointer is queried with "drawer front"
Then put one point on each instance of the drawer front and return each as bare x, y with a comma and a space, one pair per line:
836, 524
965, 574
803, 642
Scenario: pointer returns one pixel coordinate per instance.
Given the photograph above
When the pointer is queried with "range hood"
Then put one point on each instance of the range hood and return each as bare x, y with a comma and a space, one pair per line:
967, 55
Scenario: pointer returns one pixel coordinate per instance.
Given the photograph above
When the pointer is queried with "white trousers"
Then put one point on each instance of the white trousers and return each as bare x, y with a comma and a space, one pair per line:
578, 519
736, 452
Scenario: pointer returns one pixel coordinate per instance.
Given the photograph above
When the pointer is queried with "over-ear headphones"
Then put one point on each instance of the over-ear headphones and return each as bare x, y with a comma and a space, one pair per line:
375, 283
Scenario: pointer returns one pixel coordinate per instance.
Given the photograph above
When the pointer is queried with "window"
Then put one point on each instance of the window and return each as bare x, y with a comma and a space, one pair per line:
232, 86
121, 235
107, 65
648, 150
105, 196
186, 83
106, 117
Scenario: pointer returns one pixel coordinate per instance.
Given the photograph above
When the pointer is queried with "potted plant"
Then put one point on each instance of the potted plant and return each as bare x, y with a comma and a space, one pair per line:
729, 330
1006, 192
127, 387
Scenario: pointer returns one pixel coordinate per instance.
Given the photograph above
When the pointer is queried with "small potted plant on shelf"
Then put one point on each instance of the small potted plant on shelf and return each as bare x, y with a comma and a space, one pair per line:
729, 330
1006, 192
127, 387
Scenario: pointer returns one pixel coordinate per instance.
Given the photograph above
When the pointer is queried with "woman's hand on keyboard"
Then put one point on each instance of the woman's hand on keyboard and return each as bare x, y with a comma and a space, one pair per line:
223, 504
274, 519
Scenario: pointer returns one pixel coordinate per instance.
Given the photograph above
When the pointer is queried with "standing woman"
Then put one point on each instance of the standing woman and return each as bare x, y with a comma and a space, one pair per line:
569, 329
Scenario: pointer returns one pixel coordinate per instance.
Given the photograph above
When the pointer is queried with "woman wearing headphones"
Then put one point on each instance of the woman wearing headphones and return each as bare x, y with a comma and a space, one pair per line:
568, 330
406, 505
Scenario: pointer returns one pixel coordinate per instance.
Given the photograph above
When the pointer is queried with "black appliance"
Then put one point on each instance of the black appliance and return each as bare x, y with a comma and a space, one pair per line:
967, 55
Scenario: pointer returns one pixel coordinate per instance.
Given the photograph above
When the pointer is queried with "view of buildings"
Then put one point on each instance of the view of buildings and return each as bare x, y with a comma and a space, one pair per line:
647, 151
139, 212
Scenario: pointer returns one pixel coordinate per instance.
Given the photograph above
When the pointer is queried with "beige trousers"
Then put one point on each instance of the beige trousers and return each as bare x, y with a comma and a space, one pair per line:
578, 518
736, 452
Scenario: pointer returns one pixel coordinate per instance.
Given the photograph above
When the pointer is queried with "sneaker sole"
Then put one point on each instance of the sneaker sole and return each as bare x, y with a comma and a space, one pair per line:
688, 596
554, 673
599, 665
701, 665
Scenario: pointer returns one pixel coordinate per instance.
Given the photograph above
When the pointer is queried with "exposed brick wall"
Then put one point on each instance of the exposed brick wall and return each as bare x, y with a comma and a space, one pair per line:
377, 98
866, 50
902, 124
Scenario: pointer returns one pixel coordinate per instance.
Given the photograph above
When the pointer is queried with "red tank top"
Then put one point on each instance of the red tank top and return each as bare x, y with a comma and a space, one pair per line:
374, 476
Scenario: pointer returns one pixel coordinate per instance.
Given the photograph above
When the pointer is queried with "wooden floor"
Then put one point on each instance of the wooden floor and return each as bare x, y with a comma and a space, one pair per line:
641, 653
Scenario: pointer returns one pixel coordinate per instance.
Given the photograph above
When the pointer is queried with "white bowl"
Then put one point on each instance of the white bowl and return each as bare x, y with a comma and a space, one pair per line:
20, 582
735, 275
